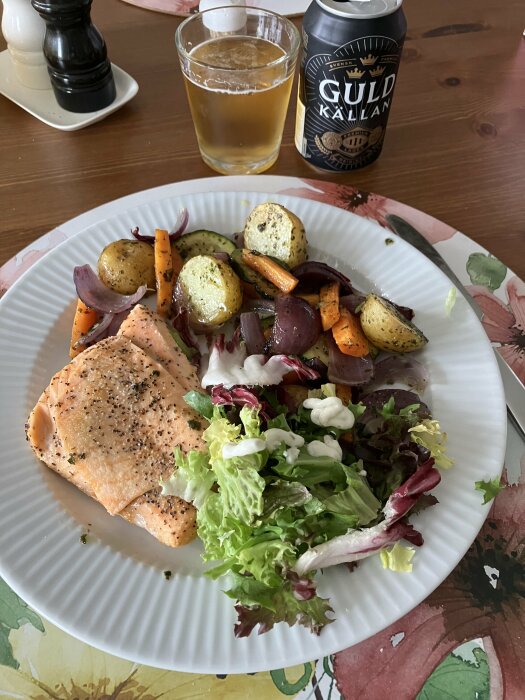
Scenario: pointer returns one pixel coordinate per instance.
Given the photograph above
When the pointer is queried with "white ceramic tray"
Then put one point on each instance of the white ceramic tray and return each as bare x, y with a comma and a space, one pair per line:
43, 105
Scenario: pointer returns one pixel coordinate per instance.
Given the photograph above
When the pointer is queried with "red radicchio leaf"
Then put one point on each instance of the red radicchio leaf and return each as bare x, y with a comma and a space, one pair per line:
303, 588
358, 544
298, 366
99, 297
402, 499
237, 396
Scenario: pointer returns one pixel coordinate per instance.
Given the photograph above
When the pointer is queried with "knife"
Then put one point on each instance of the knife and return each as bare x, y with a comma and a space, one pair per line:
514, 389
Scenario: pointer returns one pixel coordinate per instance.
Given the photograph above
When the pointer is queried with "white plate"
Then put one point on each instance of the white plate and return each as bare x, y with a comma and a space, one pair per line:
42, 104
112, 592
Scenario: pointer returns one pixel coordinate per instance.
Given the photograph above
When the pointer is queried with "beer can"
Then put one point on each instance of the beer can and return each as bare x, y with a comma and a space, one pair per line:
350, 59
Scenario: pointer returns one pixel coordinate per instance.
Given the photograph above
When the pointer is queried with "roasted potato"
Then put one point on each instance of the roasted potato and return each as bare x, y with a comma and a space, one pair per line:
211, 289
126, 264
387, 328
273, 230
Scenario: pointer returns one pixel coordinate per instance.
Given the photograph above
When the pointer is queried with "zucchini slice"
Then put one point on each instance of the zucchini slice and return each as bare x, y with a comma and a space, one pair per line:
203, 242
262, 286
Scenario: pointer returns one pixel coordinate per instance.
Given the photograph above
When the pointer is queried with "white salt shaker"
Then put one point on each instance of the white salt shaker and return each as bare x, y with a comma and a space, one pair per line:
24, 31
229, 19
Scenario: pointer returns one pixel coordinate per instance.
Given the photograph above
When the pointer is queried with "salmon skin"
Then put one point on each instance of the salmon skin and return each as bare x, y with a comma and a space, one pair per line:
110, 419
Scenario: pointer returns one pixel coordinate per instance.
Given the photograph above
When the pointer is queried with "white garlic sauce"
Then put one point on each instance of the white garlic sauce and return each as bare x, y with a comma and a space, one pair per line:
330, 412
243, 448
328, 448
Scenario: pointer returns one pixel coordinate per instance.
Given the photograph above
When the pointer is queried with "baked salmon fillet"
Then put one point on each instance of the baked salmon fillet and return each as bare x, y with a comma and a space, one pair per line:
109, 420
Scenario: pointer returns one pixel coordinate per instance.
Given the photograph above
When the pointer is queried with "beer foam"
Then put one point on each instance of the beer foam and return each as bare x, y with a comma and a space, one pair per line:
228, 15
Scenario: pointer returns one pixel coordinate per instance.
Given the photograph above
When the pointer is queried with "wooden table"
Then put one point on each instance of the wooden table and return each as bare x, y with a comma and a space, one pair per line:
455, 146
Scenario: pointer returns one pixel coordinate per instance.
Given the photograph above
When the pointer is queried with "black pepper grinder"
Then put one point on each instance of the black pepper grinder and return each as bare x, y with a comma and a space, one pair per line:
76, 56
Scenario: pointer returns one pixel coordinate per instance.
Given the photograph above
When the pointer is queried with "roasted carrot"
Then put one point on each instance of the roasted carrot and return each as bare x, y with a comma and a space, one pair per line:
163, 271
349, 335
270, 270
329, 305
344, 392
84, 320
311, 298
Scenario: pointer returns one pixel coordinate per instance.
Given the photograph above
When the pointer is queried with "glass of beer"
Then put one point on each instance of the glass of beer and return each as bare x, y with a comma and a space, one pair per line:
238, 64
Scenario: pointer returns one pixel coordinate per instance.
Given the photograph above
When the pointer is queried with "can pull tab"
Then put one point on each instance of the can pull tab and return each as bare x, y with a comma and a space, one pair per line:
229, 17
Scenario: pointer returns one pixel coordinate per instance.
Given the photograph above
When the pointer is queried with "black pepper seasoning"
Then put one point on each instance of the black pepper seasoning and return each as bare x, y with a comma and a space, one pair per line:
76, 55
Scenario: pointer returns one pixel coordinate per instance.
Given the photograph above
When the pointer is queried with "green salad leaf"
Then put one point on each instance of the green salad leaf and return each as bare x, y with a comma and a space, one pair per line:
489, 489
260, 508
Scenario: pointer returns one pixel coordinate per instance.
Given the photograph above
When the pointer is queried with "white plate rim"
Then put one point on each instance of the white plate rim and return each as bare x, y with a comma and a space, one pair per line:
211, 666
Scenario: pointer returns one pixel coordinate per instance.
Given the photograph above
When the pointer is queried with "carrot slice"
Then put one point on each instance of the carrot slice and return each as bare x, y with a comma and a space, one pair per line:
344, 392
163, 271
270, 270
84, 320
349, 335
311, 298
329, 305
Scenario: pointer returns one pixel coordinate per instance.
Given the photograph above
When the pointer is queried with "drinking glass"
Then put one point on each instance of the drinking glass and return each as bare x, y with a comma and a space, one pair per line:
238, 65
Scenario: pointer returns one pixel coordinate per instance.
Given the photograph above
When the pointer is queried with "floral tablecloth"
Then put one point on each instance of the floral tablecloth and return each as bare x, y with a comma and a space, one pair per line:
466, 640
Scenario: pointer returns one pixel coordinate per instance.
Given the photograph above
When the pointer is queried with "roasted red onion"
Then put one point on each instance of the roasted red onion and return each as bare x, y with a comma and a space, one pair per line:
402, 369
99, 297
178, 229
296, 328
252, 333
312, 274
238, 239
352, 302
262, 306
108, 325
96, 333
346, 369
181, 323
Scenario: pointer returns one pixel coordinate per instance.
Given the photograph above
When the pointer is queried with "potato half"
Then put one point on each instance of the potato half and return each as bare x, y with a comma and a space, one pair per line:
126, 264
387, 328
211, 289
273, 230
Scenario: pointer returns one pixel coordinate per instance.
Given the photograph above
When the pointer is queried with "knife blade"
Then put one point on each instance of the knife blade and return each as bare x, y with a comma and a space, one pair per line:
514, 390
